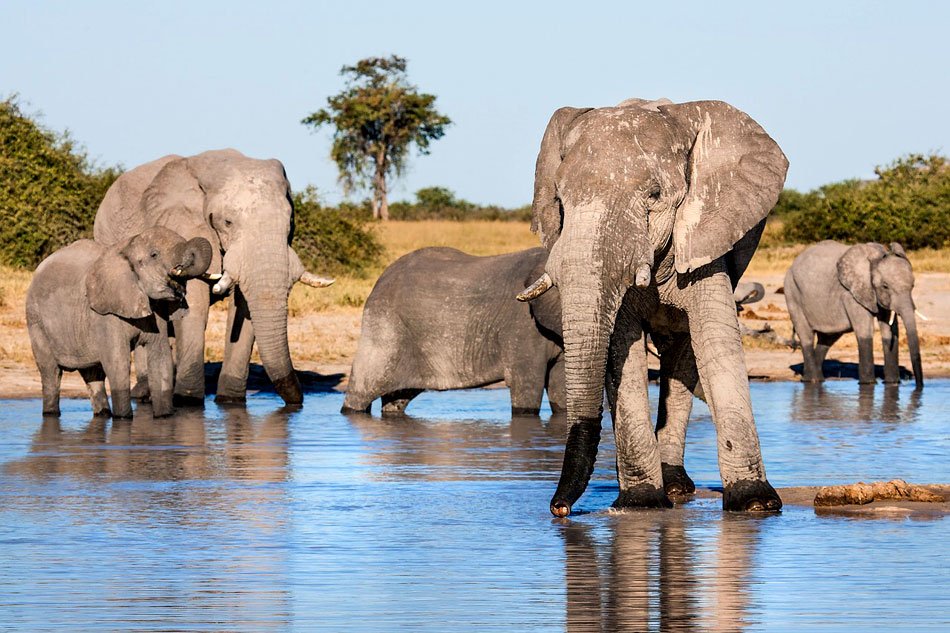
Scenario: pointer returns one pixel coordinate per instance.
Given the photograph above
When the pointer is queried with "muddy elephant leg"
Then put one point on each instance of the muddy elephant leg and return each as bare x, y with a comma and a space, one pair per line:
525, 380
95, 379
232, 383
395, 403
866, 360
889, 341
638, 457
140, 389
190, 346
678, 379
161, 370
51, 374
811, 366
714, 331
117, 364
557, 396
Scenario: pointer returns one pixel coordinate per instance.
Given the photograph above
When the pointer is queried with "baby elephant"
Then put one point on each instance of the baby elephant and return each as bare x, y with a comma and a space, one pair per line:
832, 288
88, 306
440, 319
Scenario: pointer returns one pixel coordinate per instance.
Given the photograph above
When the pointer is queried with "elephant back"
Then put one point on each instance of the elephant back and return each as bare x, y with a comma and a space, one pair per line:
120, 215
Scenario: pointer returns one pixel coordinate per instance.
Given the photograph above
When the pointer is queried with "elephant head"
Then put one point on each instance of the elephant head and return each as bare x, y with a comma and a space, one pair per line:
882, 282
243, 207
633, 195
146, 266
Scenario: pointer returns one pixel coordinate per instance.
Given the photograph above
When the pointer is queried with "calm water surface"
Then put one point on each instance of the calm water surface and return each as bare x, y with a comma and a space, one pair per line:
264, 518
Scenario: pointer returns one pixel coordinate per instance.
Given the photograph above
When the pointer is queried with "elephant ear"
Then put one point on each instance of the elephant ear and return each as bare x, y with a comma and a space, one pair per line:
546, 207
898, 250
113, 288
854, 272
735, 173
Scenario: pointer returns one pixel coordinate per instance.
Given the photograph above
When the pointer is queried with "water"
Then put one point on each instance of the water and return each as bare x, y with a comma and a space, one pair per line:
261, 519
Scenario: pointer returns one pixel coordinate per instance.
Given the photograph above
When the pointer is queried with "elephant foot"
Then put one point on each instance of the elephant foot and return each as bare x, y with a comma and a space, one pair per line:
186, 400
345, 409
524, 411
102, 413
748, 495
643, 496
675, 480
51, 411
224, 398
140, 391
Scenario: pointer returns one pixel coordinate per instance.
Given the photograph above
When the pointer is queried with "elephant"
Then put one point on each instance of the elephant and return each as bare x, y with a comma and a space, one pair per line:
832, 288
88, 305
651, 212
243, 207
440, 319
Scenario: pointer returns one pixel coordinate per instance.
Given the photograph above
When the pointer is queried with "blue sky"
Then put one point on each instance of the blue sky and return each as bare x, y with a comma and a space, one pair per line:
842, 86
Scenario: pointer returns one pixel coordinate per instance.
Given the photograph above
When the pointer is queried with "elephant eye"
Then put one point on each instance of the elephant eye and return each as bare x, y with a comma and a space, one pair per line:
227, 223
154, 255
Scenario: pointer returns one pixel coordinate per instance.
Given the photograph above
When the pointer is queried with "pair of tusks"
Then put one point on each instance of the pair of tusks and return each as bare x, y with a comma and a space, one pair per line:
890, 321
545, 283
223, 282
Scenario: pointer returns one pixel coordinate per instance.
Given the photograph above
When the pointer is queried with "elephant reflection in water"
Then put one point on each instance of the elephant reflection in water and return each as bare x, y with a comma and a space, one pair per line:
815, 403
649, 555
443, 450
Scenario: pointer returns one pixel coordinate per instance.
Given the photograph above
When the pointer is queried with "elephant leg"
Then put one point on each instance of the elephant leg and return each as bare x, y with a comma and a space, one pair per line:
190, 346
232, 383
51, 374
161, 371
866, 360
638, 457
717, 345
556, 387
825, 341
377, 367
117, 364
525, 380
95, 379
889, 341
140, 390
395, 403
811, 366
678, 379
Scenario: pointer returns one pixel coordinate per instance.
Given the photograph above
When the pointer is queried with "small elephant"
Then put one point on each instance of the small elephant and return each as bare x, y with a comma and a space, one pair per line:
832, 288
441, 319
89, 305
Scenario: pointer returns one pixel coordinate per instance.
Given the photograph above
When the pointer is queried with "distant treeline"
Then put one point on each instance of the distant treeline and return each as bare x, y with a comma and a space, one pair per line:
909, 202
49, 189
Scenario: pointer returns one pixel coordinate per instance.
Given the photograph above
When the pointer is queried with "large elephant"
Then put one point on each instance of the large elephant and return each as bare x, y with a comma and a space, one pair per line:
832, 288
243, 207
441, 319
88, 305
651, 212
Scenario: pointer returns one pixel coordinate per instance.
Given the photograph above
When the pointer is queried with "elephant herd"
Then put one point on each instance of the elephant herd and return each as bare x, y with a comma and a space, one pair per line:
648, 212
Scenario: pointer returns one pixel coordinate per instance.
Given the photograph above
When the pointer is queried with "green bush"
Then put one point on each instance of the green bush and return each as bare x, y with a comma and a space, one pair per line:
439, 203
49, 189
908, 203
333, 240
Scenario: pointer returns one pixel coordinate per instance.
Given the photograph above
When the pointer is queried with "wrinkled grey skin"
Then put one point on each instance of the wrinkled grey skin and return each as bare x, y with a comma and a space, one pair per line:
651, 211
88, 306
242, 206
832, 288
441, 319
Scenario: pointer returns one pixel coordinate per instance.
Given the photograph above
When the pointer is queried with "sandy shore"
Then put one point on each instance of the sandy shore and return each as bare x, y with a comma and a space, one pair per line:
323, 345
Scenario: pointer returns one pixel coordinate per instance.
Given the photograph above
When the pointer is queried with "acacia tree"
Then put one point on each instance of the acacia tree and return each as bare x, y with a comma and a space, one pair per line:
377, 116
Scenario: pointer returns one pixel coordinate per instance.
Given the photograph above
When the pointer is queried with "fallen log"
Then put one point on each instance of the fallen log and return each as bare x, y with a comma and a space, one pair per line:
862, 493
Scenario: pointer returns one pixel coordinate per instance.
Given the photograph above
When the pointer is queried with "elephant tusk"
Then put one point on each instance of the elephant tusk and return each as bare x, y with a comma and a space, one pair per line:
224, 284
644, 273
309, 279
918, 313
176, 271
890, 321
538, 288
210, 276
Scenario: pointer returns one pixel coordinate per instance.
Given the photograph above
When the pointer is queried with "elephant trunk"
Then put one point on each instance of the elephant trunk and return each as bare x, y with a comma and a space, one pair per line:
265, 285
192, 257
589, 311
913, 342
